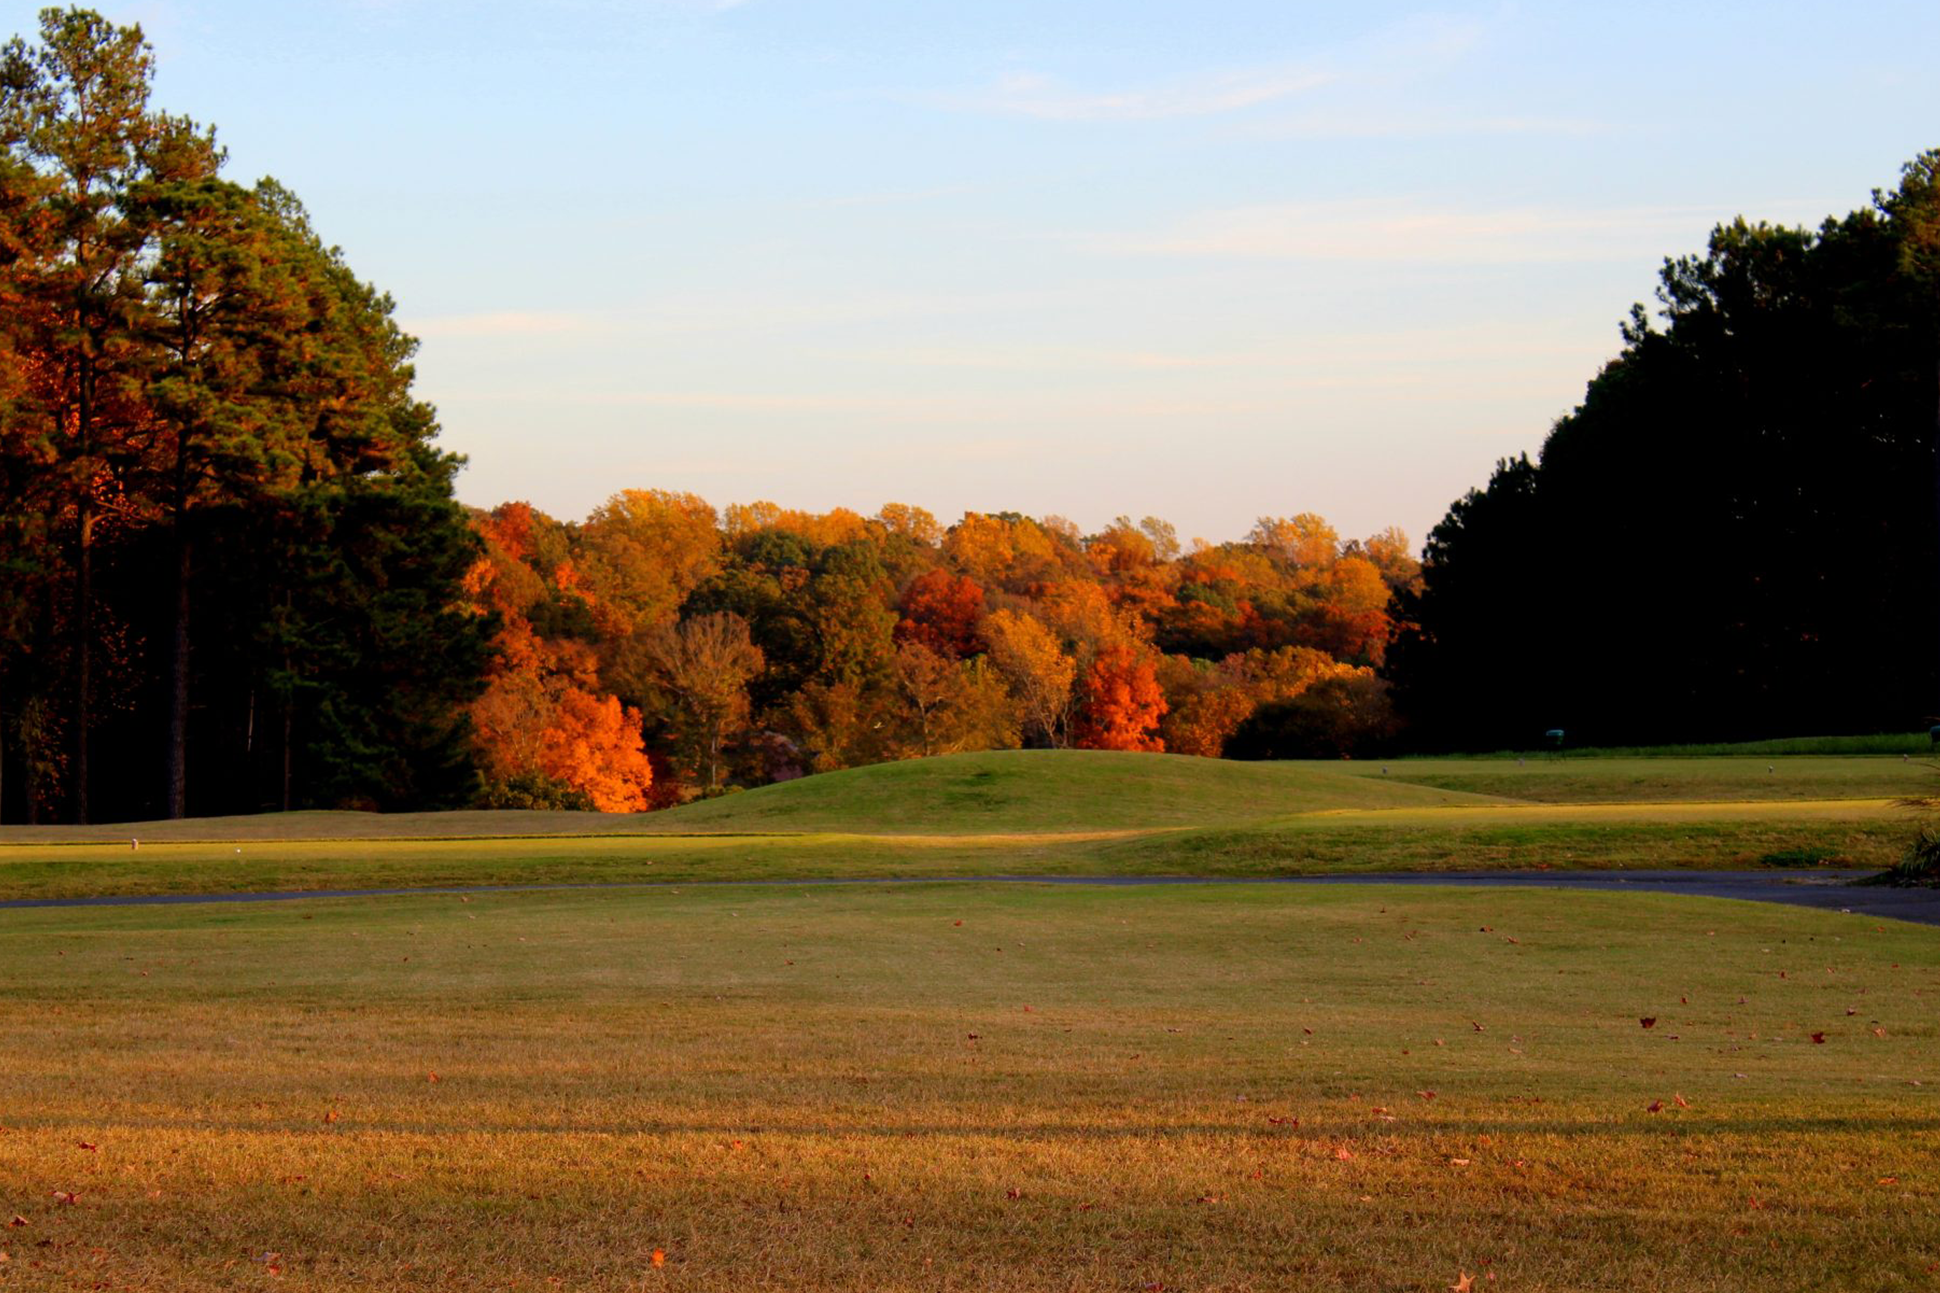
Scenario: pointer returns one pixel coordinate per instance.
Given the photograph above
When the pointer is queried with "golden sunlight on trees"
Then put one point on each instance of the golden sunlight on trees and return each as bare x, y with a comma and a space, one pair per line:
1038, 671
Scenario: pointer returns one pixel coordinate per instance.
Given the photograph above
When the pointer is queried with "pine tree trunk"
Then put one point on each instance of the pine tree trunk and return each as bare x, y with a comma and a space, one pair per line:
289, 716
83, 660
84, 589
176, 759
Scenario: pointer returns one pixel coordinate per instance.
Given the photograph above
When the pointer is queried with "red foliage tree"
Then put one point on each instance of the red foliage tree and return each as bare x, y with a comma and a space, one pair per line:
940, 610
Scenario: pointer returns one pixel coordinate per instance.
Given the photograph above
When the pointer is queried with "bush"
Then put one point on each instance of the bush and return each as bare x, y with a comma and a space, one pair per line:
1920, 865
532, 791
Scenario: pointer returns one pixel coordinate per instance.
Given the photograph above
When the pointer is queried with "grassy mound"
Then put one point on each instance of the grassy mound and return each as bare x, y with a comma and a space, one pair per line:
1041, 791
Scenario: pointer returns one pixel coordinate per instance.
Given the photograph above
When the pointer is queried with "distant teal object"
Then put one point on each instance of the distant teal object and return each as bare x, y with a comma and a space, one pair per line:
1933, 734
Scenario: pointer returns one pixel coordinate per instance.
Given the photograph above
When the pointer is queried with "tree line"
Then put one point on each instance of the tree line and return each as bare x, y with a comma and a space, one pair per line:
660, 649
228, 545
1733, 536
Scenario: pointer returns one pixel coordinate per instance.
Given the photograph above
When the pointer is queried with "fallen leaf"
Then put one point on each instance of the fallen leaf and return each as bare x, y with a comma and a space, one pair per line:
65, 1197
86, 1144
1818, 1039
432, 1077
1655, 1106
1648, 1021
331, 1116
18, 1220
660, 1254
1463, 1283
1426, 1095
1682, 1103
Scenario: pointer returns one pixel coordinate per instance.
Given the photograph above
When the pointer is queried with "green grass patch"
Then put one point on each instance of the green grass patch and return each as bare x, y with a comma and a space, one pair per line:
1633, 779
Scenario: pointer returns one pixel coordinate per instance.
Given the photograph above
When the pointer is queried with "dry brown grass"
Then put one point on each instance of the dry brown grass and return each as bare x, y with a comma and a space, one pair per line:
849, 1090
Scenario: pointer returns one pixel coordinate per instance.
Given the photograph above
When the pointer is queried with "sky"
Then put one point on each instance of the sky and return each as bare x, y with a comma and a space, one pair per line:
1206, 261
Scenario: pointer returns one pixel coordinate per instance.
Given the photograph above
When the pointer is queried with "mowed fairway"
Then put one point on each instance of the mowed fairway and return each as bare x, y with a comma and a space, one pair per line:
970, 1087
1045, 813
984, 1086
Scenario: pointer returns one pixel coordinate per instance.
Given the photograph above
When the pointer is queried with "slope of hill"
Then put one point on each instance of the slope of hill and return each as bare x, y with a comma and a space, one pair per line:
1015, 791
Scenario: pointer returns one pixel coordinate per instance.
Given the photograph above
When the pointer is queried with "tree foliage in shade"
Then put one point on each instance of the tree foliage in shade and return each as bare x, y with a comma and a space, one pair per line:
1734, 534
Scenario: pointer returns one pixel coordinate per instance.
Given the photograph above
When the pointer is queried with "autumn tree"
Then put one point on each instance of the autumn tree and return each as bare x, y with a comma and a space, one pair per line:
948, 706
940, 611
1040, 675
546, 734
705, 665
1121, 702
643, 551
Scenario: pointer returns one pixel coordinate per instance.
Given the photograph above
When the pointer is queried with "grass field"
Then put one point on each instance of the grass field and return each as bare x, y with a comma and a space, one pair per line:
970, 1088
975, 1086
1037, 812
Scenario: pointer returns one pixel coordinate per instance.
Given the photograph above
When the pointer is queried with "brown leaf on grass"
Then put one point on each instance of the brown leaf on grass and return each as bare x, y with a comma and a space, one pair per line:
1013, 1193
1426, 1095
1655, 1106
1879, 1032
18, 1220
331, 1116
1343, 1153
432, 1077
65, 1197
1648, 1021
1818, 1039
1463, 1283
1477, 1027
1282, 1122
659, 1257
1682, 1103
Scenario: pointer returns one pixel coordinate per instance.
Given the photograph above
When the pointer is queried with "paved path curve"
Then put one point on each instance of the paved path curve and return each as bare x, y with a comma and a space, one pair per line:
1827, 890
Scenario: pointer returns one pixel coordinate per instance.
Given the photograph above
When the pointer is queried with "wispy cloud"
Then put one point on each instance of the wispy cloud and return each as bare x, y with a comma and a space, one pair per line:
1386, 57
1426, 125
1401, 229
1030, 94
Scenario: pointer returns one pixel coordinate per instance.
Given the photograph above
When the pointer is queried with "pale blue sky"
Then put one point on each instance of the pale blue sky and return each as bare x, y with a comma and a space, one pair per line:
1205, 260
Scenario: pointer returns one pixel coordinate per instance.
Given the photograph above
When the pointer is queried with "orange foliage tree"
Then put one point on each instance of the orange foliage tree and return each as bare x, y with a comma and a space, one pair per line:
1122, 703
542, 723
